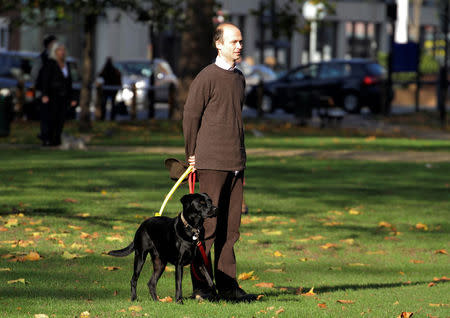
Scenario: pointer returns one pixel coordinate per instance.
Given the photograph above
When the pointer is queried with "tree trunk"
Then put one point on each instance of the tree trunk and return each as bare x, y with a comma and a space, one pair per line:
86, 77
197, 49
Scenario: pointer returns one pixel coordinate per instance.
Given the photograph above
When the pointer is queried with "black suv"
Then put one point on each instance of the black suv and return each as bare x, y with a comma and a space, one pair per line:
15, 68
349, 84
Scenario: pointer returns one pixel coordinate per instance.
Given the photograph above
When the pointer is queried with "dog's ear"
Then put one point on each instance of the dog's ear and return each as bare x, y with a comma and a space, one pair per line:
186, 200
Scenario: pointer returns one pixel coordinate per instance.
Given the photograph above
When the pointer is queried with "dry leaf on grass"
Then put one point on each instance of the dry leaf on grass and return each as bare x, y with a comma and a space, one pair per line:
40, 316
343, 301
405, 314
111, 268
421, 226
247, 276
322, 305
416, 261
443, 251
278, 254
135, 308
265, 285
167, 299
310, 292
70, 200
328, 246
17, 281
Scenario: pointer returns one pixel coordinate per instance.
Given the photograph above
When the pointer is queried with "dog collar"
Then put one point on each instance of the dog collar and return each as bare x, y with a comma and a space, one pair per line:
190, 227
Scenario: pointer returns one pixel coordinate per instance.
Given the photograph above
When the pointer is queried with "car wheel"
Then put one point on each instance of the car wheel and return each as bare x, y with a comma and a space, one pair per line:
350, 103
267, 104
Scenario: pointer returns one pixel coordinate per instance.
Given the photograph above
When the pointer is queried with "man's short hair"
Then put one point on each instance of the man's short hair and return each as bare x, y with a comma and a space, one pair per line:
49, 39
218, 33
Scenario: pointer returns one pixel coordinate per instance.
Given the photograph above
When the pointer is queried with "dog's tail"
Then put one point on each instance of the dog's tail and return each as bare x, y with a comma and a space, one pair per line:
123, 252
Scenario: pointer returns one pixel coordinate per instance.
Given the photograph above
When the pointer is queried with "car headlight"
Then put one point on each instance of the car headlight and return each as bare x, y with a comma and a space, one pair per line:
127, 94
5, 92
140, 84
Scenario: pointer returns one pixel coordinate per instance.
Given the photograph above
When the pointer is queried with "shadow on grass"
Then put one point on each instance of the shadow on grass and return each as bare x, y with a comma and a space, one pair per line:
330, 289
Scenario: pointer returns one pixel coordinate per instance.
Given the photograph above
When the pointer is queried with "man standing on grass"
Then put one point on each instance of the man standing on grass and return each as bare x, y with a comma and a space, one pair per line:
214, 143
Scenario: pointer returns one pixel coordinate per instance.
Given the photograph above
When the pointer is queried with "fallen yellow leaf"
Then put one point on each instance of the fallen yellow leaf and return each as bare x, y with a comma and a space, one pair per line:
111, 268
322, 305
32, 256
40, 316
328, 246
135, 308
354, 212
67, 255
310, 292
11, 222
167, 299
85, 314
265, 285
247, 276
278, 254
441, 252
15, 281
75, 227
5, 269
405, 315
421, 226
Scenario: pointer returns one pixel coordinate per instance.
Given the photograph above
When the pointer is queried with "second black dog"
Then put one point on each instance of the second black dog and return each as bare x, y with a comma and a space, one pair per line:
172, 240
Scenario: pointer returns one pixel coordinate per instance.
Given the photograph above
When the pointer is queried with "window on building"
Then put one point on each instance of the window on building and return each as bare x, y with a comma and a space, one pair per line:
4, 34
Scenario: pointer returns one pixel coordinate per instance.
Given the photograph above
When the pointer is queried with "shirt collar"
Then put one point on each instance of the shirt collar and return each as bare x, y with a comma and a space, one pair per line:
220, 62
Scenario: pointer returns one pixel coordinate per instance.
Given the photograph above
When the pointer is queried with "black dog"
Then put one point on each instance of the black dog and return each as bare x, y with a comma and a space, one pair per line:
172, 240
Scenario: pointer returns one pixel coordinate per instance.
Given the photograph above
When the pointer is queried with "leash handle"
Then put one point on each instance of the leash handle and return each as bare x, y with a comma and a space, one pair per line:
192, 177
176, 185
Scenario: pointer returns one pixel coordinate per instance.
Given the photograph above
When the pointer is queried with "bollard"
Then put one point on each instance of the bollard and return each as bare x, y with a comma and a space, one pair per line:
6, 112
133, 102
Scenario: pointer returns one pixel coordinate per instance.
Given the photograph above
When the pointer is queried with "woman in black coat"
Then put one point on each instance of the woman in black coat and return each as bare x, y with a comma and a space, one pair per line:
57, 95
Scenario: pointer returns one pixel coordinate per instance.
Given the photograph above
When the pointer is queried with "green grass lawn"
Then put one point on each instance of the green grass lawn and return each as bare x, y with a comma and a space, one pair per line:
368, 237
276, 134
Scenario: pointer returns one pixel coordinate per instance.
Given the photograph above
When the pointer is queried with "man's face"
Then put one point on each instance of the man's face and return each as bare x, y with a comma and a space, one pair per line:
231, 47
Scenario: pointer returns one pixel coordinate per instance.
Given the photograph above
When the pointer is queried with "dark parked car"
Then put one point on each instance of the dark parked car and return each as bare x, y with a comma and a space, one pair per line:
349, 84
15, 68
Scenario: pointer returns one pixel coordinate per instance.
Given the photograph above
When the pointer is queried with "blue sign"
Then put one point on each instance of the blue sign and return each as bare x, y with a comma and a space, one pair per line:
405, 57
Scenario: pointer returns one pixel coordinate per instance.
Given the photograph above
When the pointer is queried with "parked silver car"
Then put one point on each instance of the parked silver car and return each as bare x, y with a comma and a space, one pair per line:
138, 72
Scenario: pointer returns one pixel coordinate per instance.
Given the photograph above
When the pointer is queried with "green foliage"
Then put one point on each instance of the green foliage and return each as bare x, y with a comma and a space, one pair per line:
427, 65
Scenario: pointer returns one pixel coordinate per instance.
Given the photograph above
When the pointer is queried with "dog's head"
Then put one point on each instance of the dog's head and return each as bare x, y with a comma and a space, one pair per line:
197, 207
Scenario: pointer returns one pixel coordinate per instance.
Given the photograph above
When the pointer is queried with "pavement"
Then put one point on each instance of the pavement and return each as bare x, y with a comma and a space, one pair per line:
364, 122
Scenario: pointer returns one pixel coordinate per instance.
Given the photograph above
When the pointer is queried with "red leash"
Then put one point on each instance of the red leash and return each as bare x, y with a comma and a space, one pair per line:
192, 177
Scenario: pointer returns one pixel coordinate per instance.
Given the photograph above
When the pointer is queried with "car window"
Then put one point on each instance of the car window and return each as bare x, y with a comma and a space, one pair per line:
309, 71
15, 66
375, 69
332, 70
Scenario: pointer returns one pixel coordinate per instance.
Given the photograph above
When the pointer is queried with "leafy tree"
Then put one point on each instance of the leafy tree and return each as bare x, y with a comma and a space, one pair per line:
41, 12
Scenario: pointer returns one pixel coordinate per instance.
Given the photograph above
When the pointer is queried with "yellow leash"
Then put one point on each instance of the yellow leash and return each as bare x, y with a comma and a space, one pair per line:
176, 185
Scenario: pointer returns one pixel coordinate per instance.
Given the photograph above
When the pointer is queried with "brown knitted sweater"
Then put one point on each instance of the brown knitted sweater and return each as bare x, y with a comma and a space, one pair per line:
212, 120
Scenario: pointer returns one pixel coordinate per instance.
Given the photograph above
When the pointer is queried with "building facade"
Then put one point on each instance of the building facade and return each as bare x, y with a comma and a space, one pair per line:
356, 28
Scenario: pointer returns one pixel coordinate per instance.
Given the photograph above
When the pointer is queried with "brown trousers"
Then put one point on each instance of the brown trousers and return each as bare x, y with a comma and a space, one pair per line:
226, 191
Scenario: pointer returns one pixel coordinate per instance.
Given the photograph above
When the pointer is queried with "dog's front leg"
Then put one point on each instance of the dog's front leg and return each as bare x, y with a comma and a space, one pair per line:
178, 285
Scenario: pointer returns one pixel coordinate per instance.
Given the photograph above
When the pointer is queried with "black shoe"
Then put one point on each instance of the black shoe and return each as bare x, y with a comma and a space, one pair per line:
204, 294
236, 295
